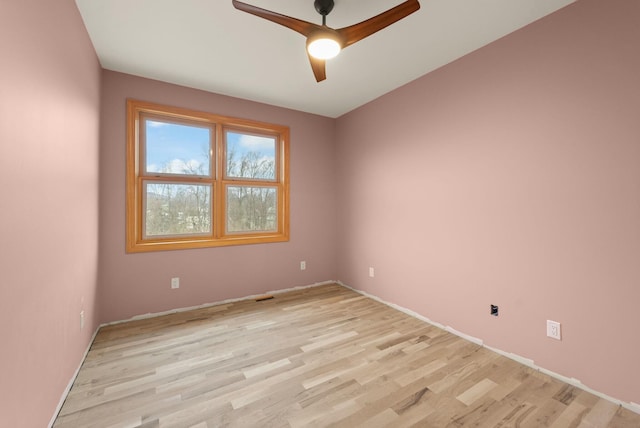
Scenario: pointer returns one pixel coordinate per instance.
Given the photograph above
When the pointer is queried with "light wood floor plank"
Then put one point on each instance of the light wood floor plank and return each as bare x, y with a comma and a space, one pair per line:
317, 357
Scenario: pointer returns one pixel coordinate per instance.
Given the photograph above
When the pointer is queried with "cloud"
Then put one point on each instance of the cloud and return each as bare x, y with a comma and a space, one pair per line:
257, 143
180, 166
154, 124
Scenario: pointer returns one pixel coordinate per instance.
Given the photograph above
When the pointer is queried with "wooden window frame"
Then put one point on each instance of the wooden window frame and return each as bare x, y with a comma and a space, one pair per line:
136, 242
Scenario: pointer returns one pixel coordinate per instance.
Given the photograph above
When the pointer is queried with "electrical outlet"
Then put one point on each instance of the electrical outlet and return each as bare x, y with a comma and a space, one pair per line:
303, 265
553, 330
81, 320
175, 283
372, 272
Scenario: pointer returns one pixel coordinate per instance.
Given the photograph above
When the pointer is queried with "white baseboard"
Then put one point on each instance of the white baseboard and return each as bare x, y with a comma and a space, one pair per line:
634, 407
73, 379
222, 302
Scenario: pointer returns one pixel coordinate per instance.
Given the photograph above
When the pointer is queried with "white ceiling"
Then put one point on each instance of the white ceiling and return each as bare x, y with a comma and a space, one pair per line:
209, 45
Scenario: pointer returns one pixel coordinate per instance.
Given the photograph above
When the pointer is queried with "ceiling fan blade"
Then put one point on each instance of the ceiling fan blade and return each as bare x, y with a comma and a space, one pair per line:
319, 68
303, 27
357, 32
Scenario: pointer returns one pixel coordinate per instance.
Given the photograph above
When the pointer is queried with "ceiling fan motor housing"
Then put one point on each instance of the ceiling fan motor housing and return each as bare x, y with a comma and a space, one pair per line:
323, 7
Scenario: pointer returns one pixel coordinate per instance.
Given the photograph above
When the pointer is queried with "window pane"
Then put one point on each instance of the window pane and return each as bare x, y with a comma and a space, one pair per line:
250, 156
177, 209
172, 148
252, 209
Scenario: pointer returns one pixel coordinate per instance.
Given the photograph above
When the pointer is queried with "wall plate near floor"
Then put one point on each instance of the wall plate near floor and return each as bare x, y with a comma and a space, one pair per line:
175, 283
553, 330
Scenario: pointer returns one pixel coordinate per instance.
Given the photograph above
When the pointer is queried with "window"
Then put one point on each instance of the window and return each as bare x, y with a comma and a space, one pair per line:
196, 179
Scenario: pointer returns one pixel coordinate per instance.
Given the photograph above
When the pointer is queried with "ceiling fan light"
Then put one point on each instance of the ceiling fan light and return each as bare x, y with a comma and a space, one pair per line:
323, 48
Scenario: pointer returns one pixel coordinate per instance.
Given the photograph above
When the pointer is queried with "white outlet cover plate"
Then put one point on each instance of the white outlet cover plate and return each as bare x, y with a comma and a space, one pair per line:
553, 330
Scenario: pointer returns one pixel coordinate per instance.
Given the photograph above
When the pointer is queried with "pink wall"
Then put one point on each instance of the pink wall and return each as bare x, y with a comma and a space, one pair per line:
49, 114
511, 177
134, 284
508, 177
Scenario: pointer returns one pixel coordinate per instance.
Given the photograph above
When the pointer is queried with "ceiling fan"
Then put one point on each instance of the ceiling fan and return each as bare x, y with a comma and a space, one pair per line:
324, 42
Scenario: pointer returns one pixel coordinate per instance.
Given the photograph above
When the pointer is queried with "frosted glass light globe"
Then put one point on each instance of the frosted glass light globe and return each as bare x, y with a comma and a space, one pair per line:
323, 48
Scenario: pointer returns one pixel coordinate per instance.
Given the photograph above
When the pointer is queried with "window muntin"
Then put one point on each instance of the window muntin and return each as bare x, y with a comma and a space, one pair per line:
196, 179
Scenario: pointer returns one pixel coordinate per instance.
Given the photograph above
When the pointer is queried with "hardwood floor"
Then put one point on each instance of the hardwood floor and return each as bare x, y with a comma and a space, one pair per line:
322, 356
